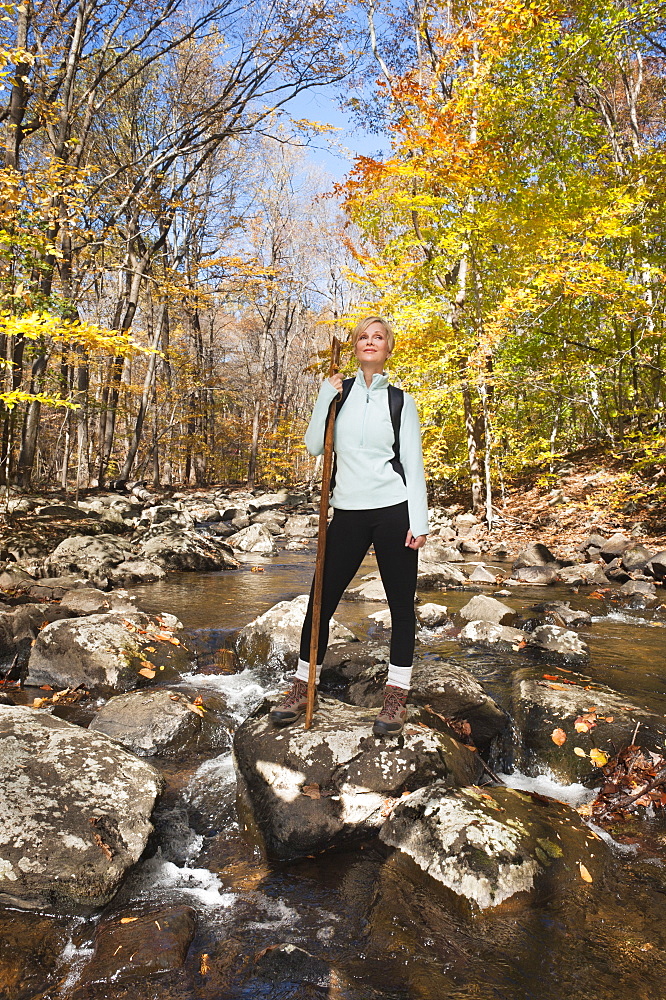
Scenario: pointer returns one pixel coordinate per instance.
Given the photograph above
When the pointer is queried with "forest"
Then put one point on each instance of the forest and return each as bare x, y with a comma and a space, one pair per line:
172, 267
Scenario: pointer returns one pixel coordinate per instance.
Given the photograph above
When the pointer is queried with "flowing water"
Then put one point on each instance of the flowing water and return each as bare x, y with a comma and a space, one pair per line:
373, 927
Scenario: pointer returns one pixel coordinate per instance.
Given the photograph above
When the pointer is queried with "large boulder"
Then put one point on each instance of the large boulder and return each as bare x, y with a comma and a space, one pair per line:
482, 575
559, 643
108, 651
136, 571
443, 693
163, 722
309, 790
536, 576
488, 845
584, 573
590, 718
88, 556
254, 538
487, 609
186, 549
91, 601
272, 640
534, 554
74, 813
615, 546
427, 615
432, 573
500, 637
636, 557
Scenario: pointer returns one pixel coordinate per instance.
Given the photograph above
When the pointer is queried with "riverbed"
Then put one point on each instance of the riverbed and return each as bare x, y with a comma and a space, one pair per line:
371, 929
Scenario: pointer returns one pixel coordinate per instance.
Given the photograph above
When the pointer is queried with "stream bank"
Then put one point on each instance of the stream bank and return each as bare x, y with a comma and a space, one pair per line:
360, 920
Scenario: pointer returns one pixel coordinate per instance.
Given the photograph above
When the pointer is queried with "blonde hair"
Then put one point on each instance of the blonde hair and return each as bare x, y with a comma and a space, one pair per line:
363, 325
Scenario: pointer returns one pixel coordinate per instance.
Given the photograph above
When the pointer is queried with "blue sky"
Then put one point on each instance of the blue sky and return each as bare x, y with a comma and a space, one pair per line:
335, 151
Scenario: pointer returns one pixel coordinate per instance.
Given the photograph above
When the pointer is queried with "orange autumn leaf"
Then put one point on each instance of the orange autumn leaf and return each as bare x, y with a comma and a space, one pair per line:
558, 736
584, 873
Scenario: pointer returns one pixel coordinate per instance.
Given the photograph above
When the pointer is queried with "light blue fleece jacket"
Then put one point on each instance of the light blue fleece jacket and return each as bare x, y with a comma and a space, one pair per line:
363, 442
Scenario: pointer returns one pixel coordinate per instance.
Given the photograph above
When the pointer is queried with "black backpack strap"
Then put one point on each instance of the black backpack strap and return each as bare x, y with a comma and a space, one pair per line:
347, 384
396, 399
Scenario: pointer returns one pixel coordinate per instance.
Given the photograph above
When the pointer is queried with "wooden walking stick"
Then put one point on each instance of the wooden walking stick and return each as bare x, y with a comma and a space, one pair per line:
321, 540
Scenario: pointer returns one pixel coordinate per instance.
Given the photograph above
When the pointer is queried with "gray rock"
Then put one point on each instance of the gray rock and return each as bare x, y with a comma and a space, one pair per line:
559, 613
162, 722
187, 550
136, 571
312, 789
636, 557
170, 516
594, 541
429, 615
272, 640
465, 524
539, 706
535, 554
656, 566
254, 538
494, 636
615, 546
639, 587
300, 526
15, 579
88, 556
559, 643
55, 587
484, 608
435, 551
536, 576
585, 573
482, 575
106, 651
470, 547
74, 814
60, 511
370, 589
240, 522
270, 517
90, 601
266, 501
489, 845
432, 573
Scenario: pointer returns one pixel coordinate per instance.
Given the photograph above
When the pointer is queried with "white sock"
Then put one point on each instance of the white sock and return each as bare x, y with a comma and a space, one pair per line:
399, 677
303, 671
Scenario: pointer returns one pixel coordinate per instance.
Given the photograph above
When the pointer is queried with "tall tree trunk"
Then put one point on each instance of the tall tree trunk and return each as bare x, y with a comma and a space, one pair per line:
473, 447
148, 384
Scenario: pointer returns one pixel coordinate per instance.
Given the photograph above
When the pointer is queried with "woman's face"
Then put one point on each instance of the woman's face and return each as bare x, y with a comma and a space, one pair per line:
372, 346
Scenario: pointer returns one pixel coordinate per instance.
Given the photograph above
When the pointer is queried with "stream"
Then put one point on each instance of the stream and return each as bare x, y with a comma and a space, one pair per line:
375, 933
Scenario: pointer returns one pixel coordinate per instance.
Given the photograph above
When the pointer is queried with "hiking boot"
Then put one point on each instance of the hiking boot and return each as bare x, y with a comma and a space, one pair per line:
391, 719
292, 705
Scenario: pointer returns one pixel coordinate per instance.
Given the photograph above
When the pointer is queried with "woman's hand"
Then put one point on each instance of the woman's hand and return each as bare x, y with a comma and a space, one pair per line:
415, 543
336, 381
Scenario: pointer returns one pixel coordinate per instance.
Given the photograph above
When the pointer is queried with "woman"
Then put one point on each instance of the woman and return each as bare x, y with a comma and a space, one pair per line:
373, 505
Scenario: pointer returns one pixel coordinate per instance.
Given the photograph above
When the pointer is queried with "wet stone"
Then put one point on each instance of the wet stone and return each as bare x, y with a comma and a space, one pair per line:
484, 608
584, 573
31, 946
74, 814
108, 651
500, 637
488, 845
541, 705
134, 945
272, 640
162, 722
311, 790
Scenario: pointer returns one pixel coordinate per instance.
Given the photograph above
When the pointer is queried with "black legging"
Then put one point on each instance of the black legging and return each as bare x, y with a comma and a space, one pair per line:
350, 534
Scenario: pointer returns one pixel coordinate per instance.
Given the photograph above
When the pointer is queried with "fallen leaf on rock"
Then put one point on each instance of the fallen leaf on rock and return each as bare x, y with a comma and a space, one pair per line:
128, 920
598, 757
312, 791
579, 752
146, 672
610, 718
558, 736
584, 874
197, 709
204, 965
557, 687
